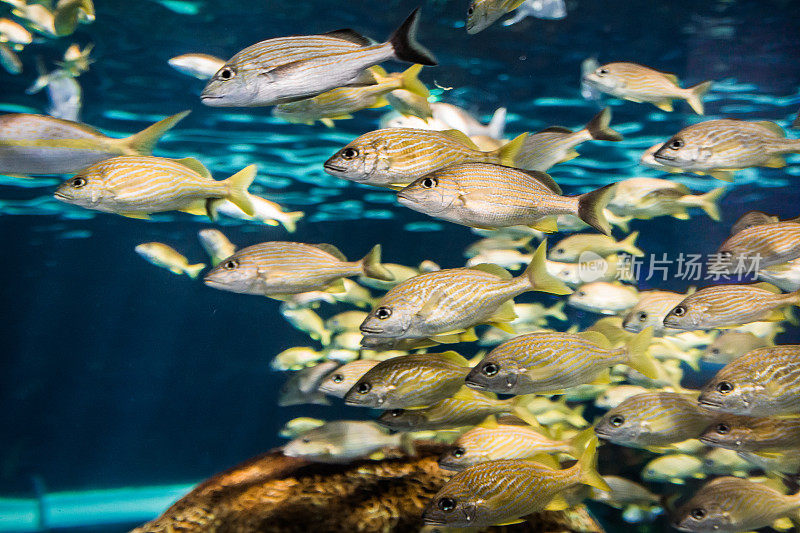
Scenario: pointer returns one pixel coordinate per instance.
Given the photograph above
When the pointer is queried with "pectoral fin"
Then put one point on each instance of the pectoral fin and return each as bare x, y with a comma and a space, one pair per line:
664, 105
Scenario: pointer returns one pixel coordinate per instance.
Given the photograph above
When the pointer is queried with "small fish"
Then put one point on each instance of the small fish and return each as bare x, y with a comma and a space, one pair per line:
409, 381
76, 59
484, 195
9, 59
38, 18
69, 13
608, 298
673, 468
650, 310
730, 504
510, 259
536, 313
453, 117
540, 9
277, 269
732, 344
752, 434
653, 420
14, 33
483, 13
500, 242
301, 387
590, 268
307, 321
342, 441
570, 248
450, 301
624, 492
760, 246
296, 357
340, 382
720, 147
556, 144
724, 306
720, 461
201, 66
265, 211
406, 104
297, 426
38, 144
347, 340
617, 394
216, 245
136, 186
501, 492
167, 257
646, 198
395, 157
345, 321
286, 69
638, 83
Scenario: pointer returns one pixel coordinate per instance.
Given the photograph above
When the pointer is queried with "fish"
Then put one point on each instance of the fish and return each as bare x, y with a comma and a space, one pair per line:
165, 256
785, 462
347, 340
287, 69
9, 59
762, 382
510, 259
729, 504
276, 269
556, 144
536, 313
406, 104
647, 198
623, 493
307, 321
752, 218
591, 268
721, 147
14, 33
655, 419
201, 66
617, 394
540, 9
450, 301
301, 387
721, 461
442, 116
500, 242
732, 344
37, 17
650, 310
785, 276
296, 357
409, 381
340, 382
501, 492
483, 195
588, 91
401, 273
396, 157
136, 186
65, 95
608, 298
345, 321
38, 144
673, 468
570, 248
342, 102
76, 59
723, 306
216, 245
69, 13
638, 83
753, 434
343, 441
483, 13
758, 247
265, 211
297, 426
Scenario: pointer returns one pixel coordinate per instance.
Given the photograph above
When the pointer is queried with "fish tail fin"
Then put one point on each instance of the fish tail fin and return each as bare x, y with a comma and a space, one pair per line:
194, 270
695, 96
628, 244
325, 337
587, 465
142, 143
507, 153
638, 357
497, 125
591, 208
537, 276
407, 444
237, 189
290, 222
708, 202
600, 129
405, 45
410, 82
372, 267
579, 442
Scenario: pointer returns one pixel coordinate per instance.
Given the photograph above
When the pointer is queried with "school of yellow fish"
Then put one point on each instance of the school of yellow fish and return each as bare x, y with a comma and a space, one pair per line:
377, 327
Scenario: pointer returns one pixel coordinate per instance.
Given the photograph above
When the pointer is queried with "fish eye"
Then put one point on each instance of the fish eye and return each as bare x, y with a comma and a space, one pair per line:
490, 369
459, 452
349, 153
471, 10
227, 73
446, 504
676, 144
382, 313
602, 71
724, 387
363, 388
642, 316
230, 264
429, 183
337, 378
580, 294
698, 513
397, 412
723, 428
560, 250
679, 311
616, 420
77, 183
714, 351
305, 440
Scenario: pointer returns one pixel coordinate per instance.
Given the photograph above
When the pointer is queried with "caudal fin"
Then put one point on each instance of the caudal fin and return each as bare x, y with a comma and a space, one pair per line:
539, 278
405, 45
587, 466
410, 82
599, 127
194, 270
591, 208
628, 244
507, 153
290, 222
695, 96
497, 126
708, 202
237, 189
142, 143
372, 267
638, 357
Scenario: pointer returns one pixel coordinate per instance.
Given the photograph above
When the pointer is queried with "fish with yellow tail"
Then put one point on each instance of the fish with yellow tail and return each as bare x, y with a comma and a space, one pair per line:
732, 344
550, 363
483, 13
200, 66
265, 211
484, 195
570, 248
638, 83
343, 441
39, 144
216, 245
451, 301
725, 306
278, 269
395, 157
501, 492
646, 198
761, 246
288, 69
136, 186
165, 256
608, 298
721, 147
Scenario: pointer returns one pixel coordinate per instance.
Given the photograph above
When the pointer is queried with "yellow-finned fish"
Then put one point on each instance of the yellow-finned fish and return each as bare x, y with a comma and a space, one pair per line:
287, 69
9, 59
721, 147
501, 492
38, 144
721, 461
339, 382
14, 33
608, 298
724, 306
69, 13
786, 462
297, 426
216, 245
343, 441
296, 357
265, 211
761, 246
201, 66
307, 321
448, 302
400, 272
638, 83
483, 13
650, 310
646, 198
167, 257
617, 394
673, 468
753, 434
591, 268
484, 195
277, 269
136, 186
395, 157
570, 248
342, 102
550, 363
732, 344
556, 144
346, 321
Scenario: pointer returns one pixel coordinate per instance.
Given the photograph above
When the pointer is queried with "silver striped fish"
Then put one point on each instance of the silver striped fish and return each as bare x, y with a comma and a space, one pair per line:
165, 256
483, 195
638, 83
201, 66
342, 441
754, 218
277, 269
38, 144
732, 344
395, 157
720, 147
570, 248
608, 298
287, 69
338, 383
451, 301
216, 245
762, 245
723, 306
483, 13
650, 310
763, 382
265, 211
136, 186
646, 198
753, 434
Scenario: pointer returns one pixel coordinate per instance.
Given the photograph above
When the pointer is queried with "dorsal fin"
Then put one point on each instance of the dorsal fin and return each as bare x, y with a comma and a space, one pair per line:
671, 77
195, 165
347, 34
331, 249
489, 423
454, 357
597, 338
771, 126
491, 268
460, 137
544, 178
555, 129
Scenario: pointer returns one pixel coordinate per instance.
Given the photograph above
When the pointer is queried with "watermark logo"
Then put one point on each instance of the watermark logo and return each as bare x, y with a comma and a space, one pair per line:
592, 267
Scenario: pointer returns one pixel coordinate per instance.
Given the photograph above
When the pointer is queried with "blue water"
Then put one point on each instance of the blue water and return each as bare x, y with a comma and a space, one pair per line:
115, 373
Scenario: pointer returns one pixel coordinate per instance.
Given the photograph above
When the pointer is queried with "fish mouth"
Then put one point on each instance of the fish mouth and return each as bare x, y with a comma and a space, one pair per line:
60, 196
710, 403
474, 384
405, 196
334, 168
214, 283
370, 331
602, 434
658, 156
434, 521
